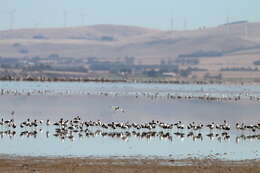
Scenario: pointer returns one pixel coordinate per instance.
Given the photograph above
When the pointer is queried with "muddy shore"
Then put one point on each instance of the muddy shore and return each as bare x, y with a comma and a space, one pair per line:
116, 165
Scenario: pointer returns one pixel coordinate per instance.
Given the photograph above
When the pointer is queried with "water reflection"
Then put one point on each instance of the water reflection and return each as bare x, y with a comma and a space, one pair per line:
123, 120
76, 127
125, 136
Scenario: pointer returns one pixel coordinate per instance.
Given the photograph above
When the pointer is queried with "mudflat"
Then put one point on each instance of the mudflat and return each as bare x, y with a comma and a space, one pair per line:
118, 165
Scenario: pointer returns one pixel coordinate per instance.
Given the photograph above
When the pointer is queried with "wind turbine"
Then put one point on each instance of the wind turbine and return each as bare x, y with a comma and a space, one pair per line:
11, 15
35, 23
172, 24
65, 17
185, 24
83, 17
246, 30
227, 22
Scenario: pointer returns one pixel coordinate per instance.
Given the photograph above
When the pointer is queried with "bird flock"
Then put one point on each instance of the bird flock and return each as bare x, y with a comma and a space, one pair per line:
77, 128
151, 95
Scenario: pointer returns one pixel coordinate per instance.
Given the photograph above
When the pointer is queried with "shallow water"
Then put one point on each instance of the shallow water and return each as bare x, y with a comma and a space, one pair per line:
82, 88
96, 145
66, 100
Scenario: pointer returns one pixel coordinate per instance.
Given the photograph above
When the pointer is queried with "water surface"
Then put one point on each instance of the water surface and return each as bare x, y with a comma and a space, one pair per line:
66, 100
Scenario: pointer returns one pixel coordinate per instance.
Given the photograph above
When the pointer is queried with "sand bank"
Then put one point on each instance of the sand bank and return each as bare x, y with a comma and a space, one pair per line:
118, 165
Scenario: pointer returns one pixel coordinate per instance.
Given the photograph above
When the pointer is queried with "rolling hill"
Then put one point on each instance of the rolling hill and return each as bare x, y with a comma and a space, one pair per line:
148, 46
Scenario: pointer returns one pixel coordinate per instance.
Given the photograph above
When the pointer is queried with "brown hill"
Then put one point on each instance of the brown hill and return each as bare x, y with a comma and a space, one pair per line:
77, 33
147, 45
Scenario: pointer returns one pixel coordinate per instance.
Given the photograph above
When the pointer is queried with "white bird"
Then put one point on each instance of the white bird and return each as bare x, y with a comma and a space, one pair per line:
117, 108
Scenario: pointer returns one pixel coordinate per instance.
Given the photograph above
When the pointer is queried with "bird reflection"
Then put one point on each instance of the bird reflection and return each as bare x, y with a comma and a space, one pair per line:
76, 128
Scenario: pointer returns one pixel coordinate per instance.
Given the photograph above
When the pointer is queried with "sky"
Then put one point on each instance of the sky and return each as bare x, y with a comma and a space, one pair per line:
185, 14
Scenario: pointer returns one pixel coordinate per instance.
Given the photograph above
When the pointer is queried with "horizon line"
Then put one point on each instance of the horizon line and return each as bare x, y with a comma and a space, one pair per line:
139, 26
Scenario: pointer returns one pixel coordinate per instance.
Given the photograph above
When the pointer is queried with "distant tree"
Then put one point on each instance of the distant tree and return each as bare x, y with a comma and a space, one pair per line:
185, 72
162, 62
40, 37
16, 45
54, 56
152, 73
24, 51
219, 76
107, 38
129, 60
257, 62
201, 53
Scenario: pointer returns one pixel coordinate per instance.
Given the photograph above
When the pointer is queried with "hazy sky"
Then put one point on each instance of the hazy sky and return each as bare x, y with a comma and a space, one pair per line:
147, 13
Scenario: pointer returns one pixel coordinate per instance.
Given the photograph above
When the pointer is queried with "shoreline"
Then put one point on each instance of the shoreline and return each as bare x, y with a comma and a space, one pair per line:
145, 81
11, 164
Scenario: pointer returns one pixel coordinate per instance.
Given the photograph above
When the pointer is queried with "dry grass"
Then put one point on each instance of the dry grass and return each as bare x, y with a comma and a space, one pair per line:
143, 43
149, 46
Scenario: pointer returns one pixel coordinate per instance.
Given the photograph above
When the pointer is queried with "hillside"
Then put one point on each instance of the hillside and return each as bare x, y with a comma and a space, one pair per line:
146, 45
